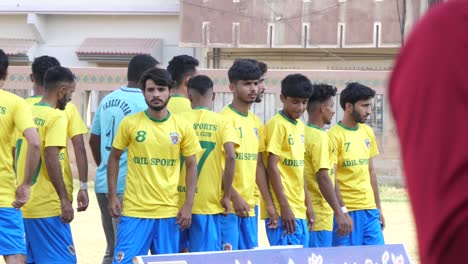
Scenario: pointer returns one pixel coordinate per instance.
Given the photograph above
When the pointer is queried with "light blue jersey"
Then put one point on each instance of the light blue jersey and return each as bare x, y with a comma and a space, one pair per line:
111, 110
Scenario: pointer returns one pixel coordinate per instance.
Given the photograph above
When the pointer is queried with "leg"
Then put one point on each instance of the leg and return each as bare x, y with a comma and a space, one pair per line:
107, 226
133, 239
166, 238
59, 247
205, 233
230, 232
15, 259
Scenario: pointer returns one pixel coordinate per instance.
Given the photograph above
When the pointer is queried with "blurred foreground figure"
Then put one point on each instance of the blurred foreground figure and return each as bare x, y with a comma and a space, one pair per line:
429, 99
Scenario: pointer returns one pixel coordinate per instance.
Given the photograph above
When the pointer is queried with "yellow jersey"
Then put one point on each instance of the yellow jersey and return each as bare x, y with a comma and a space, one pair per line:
213, 133
354, 148
319, 154
75, 126
15, 114
154, 151
284, 137
249, 130
52, 127
178, 104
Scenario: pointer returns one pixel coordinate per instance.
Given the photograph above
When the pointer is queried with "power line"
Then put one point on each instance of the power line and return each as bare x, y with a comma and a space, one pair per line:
299, 34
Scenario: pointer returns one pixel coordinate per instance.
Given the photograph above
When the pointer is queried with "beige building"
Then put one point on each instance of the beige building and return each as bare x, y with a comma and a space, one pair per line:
88, 33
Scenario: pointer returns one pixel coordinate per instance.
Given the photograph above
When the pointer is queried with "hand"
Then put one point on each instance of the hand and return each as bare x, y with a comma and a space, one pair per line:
273, 215
82, 200
345, 224
310, 218
22, 195
226, 203
382, 219
184, 217
288, 219
241, 207
114, 207
67, 211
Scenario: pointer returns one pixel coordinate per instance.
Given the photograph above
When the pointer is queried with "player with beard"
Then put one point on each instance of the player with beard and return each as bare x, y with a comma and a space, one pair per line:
49, 211
320, 158
76, 129
356, 148
156, 139
261, 82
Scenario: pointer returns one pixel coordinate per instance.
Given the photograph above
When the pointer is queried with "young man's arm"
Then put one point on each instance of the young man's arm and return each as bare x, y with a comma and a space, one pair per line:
241, 207
184, 216
263, 187
375, 188
228, 176
329, 193
310, 210
82, 164
287, 216
54, 169
348, 218
114, 207
32, 161
95, 145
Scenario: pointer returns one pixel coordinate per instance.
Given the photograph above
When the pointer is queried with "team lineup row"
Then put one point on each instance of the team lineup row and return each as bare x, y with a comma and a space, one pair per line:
174, 176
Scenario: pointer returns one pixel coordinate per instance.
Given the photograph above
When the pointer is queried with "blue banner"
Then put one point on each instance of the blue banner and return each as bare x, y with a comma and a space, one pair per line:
384, 254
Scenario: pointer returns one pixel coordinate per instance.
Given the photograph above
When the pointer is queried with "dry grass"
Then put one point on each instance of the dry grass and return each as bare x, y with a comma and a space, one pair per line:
90, 242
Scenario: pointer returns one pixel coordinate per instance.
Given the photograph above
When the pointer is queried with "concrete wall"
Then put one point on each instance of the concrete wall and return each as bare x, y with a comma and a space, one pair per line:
94, 83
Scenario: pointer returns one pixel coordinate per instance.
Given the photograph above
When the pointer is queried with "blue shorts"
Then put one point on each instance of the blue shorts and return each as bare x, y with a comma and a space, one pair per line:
320, 239
256, 220
366, 230
184, 238
238, 233
205, 233
278, 236
49, 240
136, 236
11, 232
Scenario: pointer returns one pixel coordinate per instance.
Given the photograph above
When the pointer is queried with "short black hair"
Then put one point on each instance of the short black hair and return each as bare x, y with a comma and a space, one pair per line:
296, 86
56, 75
244, 69
322, 92
181, 66
260, 64
40, 66
3, 65
158, 76
201, 84
263, 67
138, 65
354, 92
